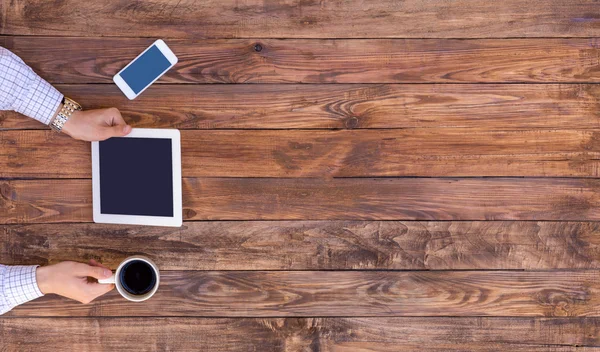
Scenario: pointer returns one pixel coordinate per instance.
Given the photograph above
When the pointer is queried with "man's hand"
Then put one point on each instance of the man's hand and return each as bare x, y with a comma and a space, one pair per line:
96, 125
71, 280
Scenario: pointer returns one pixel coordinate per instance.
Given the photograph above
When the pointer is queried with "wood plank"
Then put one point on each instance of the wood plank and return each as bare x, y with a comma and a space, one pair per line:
392, 199
358, 106
313, 245
96, 60
35, 201
299, 334
45, 201
347, 293
150, 334
308, 19
381, 153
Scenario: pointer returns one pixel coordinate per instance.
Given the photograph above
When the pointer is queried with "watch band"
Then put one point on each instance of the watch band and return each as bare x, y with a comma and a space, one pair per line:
69, 106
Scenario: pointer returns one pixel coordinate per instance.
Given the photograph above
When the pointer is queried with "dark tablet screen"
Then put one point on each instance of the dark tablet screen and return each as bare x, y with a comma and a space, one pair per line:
136, 176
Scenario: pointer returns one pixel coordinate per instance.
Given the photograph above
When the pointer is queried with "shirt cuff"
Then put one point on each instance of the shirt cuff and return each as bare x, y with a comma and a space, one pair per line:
40, 101
20, 284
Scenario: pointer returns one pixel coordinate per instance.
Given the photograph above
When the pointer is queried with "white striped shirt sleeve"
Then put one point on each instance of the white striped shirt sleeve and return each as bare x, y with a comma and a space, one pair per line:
18, 284
23, 91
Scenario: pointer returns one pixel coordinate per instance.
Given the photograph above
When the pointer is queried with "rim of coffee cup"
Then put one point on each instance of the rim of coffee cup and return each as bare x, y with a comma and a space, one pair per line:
132, 297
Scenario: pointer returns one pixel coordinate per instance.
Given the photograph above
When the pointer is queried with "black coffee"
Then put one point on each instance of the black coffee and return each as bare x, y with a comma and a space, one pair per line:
137, 277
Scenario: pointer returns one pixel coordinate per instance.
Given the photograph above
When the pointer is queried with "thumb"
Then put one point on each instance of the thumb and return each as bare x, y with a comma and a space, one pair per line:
118, 130
95, 272
114, 122
114, 131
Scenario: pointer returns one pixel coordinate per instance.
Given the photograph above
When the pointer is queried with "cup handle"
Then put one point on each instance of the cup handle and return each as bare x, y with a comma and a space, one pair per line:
110, 280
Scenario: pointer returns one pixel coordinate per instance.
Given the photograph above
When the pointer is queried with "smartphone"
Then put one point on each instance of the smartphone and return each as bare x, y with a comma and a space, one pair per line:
145, 69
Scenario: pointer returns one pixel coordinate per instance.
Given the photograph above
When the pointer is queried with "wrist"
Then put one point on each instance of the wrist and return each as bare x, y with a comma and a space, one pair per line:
63, 114
43, 276
68, 126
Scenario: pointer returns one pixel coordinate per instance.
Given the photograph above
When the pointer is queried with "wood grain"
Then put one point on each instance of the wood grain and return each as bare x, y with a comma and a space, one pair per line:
392, 199
35, 201
313, 245
96, 60
347, 106
381, 153
45, 201
307, 18
347, 293
429, 89
301, 334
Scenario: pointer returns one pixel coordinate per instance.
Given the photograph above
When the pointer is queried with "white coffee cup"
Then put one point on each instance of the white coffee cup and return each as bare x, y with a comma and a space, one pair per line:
116, 279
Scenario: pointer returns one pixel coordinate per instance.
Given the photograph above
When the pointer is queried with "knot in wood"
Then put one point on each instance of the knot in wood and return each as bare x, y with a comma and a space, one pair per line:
352, 122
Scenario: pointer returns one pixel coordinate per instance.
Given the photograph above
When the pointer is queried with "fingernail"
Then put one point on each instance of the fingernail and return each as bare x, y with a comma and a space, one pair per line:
107, 273
126, 129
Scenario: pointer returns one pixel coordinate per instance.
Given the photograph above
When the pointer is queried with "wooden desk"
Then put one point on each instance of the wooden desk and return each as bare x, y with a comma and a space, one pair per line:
358, 175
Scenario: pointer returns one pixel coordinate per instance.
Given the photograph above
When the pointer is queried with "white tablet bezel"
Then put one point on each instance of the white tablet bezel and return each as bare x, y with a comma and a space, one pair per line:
177, 219
122, 84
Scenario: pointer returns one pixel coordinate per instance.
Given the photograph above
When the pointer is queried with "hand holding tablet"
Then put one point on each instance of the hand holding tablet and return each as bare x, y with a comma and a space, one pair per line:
137, 178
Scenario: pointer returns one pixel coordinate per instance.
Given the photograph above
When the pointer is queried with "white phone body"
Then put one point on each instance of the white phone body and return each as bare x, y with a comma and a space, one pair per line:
126, 88
177, 219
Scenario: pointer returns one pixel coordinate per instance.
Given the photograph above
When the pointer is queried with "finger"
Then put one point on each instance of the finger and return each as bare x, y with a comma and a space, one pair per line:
96, 290
113, 117
120, 130
92, 271
117, 126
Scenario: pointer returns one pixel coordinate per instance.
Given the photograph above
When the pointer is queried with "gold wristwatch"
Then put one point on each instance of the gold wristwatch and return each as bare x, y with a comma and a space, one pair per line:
69, 107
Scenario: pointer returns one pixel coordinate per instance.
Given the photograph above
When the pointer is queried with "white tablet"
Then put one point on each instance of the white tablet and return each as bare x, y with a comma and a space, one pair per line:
137, 178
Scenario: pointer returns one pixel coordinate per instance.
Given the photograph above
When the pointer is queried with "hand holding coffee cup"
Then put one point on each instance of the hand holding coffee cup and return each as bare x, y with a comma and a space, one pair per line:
137, 278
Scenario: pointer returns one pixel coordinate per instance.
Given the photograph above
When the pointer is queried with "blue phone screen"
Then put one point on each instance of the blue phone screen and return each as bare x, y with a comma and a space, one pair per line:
145, 69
